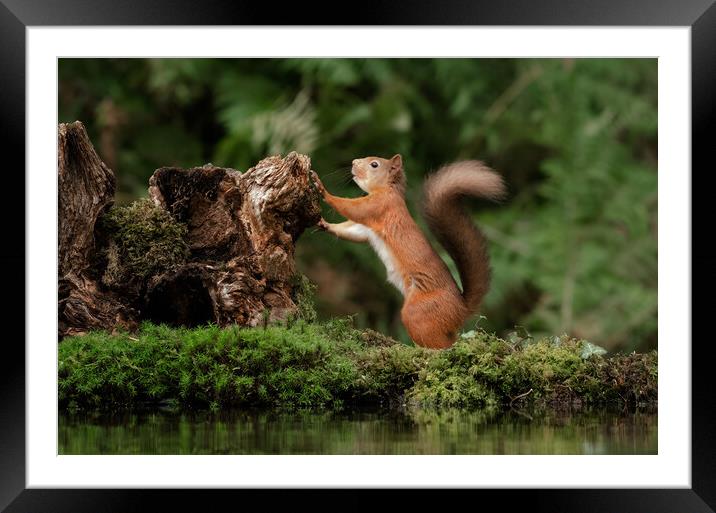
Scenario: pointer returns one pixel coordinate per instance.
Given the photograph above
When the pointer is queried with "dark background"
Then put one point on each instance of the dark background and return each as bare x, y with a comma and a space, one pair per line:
574, 248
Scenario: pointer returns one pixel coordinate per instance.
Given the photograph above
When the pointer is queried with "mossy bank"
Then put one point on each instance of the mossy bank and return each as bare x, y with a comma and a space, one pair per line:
333, 365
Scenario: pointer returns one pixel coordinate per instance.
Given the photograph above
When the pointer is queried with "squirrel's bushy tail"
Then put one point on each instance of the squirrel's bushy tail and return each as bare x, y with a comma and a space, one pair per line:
453, 227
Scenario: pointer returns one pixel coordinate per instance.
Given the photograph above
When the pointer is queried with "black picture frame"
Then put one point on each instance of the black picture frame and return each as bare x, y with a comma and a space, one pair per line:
17, 15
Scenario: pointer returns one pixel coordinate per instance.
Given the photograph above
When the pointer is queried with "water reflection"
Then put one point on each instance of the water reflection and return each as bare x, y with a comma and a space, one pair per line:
358, 432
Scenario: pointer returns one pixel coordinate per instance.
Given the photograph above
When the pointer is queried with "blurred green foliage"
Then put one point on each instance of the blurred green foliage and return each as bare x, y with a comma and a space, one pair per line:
574, 248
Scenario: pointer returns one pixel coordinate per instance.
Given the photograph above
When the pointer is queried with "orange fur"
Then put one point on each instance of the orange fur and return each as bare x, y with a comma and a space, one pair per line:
434, 309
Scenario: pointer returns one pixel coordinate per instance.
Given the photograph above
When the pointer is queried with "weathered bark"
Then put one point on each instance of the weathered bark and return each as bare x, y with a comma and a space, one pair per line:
241, 233
86, 189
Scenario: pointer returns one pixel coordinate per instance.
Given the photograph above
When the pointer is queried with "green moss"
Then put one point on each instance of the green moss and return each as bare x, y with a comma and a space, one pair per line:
387, 372
632, 379
304, 294
483, 370
143, 240
330, 365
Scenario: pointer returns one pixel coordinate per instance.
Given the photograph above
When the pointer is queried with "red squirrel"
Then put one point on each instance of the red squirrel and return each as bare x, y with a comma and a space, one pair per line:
434, 308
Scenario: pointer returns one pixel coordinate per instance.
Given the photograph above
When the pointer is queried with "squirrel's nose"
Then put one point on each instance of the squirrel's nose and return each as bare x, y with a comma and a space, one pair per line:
355, 162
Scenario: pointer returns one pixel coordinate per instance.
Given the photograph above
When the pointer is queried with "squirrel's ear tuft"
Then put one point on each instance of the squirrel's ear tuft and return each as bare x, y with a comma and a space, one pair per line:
396, 162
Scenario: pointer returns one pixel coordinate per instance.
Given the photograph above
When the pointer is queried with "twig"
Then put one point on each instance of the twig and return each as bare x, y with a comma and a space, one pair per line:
512, 400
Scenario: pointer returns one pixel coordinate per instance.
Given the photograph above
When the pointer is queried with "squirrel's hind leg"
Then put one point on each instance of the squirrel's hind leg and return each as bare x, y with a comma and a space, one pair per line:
432, 318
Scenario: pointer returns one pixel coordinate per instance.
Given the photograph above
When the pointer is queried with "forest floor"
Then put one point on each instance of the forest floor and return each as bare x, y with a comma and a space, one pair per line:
332, 365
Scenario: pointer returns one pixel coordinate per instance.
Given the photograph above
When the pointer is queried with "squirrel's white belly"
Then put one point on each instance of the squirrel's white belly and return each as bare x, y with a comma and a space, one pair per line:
383, 252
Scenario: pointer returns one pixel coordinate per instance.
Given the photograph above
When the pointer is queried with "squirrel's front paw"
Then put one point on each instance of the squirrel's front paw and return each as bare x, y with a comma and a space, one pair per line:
322, 224
317, 182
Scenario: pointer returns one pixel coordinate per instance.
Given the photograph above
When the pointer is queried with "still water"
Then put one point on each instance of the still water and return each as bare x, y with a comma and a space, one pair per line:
358, 432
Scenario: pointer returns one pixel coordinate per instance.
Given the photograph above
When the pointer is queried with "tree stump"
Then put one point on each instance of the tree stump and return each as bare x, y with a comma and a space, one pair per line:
85, 191
239, 231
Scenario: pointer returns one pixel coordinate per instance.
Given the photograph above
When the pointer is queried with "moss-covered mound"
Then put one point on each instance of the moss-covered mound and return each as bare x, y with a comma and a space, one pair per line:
332, 365
145, 240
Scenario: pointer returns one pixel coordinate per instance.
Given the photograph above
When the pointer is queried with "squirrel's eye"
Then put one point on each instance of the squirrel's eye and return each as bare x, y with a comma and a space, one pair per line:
374, 164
